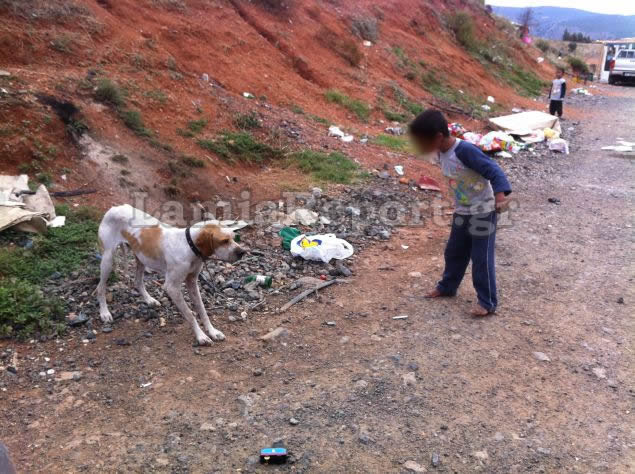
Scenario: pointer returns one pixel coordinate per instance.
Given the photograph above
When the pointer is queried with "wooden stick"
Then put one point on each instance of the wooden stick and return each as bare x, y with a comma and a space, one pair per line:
306, 293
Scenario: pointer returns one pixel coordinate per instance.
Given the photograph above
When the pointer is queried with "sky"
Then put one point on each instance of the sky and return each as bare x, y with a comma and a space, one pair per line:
614, 7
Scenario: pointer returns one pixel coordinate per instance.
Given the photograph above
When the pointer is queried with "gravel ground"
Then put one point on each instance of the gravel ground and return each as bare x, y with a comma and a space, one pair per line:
545, 385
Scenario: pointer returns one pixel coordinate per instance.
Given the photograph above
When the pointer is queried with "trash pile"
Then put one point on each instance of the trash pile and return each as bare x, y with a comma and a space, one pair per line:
581, 91
24, 209
336, 132
292, 250
516, 132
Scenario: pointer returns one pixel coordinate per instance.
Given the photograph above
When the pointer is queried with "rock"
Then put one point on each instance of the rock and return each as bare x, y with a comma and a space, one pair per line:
4, 73
65, 376
361, 384
620, 300
599, 372
612, 383
294, 422
415, 275
395, 131
364, 438
316, 193
409, 379
50, 371
435, 460
208, 427
481, 455
413, 467
498, 437
344, 339
106, 329
544, 451
275, 334
541, 356
258, 372
90, 335
341, 269
74, 319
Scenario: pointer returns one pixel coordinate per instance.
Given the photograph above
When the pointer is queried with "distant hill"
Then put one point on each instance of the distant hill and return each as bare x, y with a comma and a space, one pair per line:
552, 21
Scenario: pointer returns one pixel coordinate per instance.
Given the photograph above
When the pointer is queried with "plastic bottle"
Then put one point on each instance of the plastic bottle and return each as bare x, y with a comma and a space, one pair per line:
265, 281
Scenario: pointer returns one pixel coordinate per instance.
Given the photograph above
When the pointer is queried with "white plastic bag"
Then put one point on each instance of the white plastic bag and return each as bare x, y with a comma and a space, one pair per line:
321, 248
559, 145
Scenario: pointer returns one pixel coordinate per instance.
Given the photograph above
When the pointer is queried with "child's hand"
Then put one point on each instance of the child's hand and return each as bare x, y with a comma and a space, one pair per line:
501, 202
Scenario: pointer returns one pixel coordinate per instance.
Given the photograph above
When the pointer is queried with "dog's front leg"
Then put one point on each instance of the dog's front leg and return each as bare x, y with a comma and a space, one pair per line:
191, 282
173, 289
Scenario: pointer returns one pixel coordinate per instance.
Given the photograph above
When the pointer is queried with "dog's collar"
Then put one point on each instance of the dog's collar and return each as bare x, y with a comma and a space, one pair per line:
194, 248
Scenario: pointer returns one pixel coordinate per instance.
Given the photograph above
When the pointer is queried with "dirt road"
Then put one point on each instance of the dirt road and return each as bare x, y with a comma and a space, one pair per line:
437, 391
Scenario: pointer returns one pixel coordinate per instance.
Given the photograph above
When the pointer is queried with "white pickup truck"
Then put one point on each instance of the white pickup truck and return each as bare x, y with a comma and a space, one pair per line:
622, 66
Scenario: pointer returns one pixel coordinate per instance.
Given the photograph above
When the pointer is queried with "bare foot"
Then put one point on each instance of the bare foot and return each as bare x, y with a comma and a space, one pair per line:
479, 312
434, 294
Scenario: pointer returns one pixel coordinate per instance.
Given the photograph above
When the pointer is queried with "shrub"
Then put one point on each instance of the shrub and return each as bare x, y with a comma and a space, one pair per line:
193, 162
343, 47
543, 45
121, 159
109, 93
395, 116
248, 121
134, 121
241, 147
367, 28
62, 44
578, 65
335, 167
572, 47
359, 108
463, 27
197, 126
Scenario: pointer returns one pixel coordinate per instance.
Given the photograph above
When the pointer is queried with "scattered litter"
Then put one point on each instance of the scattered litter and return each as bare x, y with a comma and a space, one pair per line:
288, 234
399, 170
146, 385
498, 141
331, 323
427, 183
404, 180
560, 145
456, 130
504, 154
322, 248
536, 136
550, 134
581, 91
554, 201
486, 107
490, 99
367, 43
273, 456
23, 209
395, 131
461, 91
405, 247
335, 131
516, 110
541, 356
540, 59
303, 295
59, 221
524, 123
248, 95
4, 73
402, 316
618, 148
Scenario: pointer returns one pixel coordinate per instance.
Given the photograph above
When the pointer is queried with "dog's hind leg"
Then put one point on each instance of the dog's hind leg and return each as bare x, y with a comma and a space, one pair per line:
106, 269
141, 288
172, 287
191, 282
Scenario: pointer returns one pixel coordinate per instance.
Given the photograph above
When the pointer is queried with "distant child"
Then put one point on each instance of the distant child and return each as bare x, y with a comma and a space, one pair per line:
557, 92
480, 187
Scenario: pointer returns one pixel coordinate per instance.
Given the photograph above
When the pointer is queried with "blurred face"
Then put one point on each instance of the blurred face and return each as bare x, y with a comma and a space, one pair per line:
428, 145
559, 74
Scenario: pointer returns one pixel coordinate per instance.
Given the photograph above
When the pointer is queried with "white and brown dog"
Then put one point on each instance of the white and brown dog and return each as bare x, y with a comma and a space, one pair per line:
178, 253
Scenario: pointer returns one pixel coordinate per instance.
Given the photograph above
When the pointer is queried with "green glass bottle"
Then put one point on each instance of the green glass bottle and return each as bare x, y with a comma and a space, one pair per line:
265, 281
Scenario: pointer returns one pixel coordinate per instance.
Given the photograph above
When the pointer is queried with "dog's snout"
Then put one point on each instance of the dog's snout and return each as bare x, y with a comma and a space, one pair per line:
240, 252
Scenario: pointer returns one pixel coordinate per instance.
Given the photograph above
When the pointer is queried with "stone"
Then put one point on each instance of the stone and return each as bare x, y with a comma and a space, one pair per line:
415, 275
66, 376
541, 356
412, 466
275, 334
409, 379
544, 451
599, 372
435, 460
4, 73
207, 426
361, 384
481, 455
294, 422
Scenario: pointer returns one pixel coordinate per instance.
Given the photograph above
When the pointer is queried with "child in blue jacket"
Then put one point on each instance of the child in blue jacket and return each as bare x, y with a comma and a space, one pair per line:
479, 187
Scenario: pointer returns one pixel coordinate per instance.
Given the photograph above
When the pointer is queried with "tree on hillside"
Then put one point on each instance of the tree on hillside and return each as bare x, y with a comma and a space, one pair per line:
527, 20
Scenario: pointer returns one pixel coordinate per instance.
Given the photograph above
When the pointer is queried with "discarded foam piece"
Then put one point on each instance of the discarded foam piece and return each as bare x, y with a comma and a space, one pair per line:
491, 99
524, 123
25, 212
305, 217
